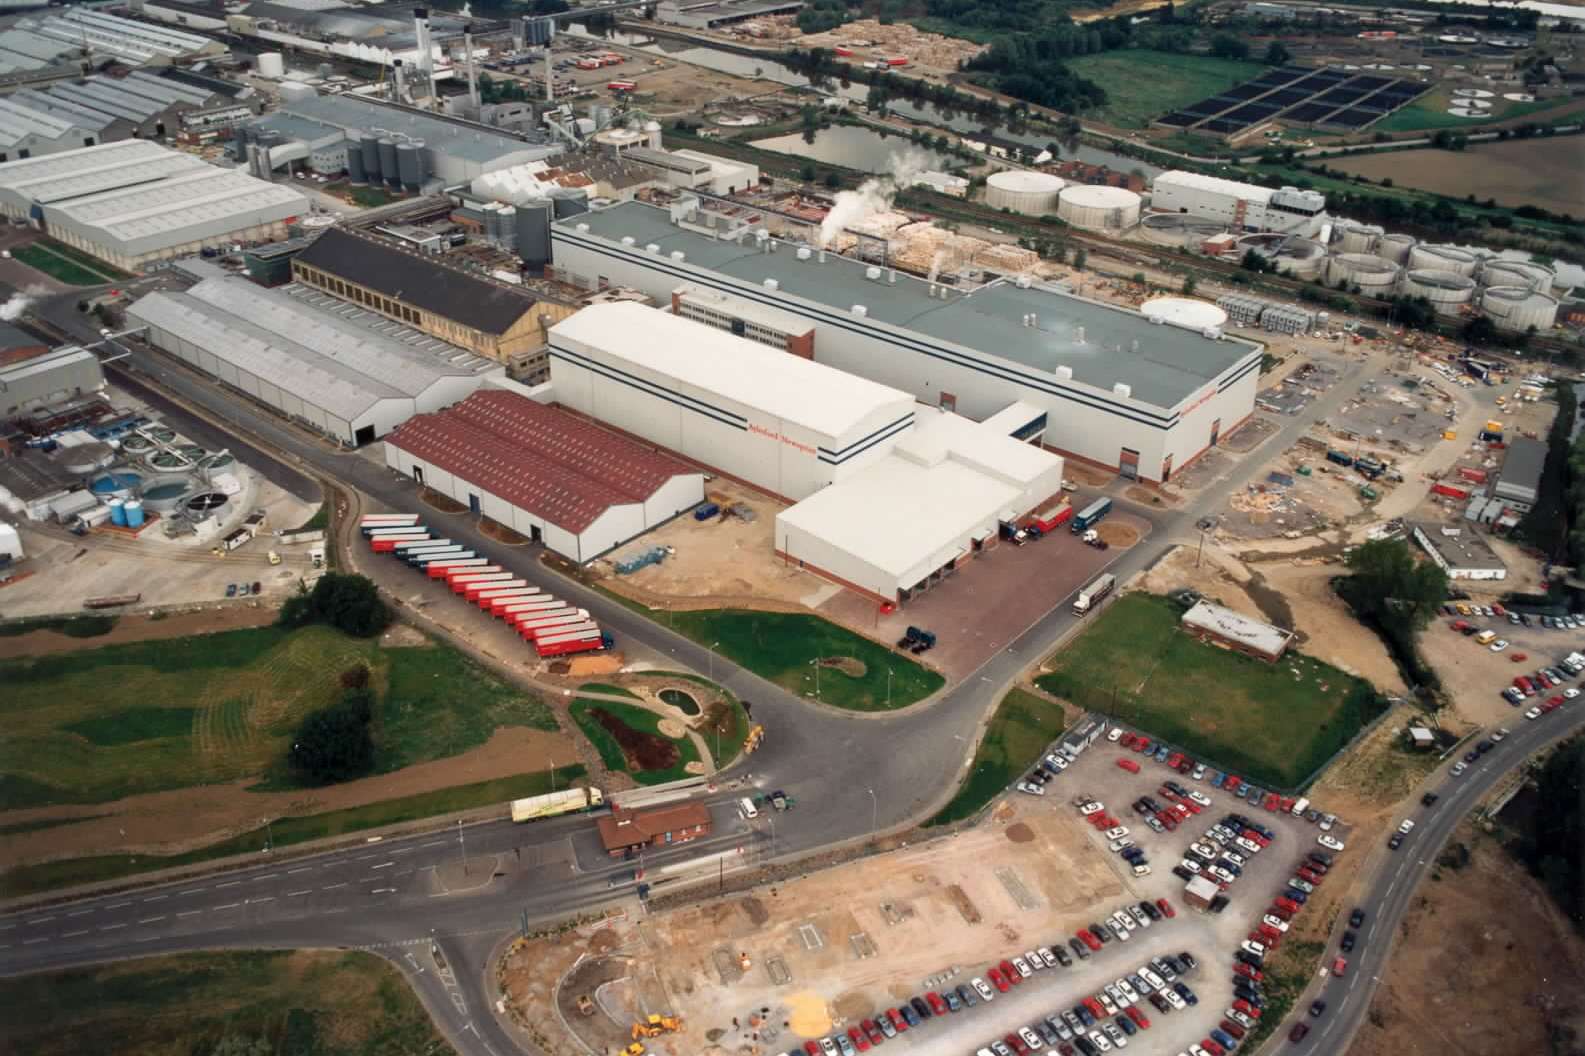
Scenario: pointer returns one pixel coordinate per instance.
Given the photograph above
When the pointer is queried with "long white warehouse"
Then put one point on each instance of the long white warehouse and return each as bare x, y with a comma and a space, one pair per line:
1115, 390
1241, 206
784, 424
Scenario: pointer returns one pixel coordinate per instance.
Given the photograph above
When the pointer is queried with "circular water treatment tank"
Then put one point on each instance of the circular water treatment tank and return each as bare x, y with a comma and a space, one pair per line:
1499, 272
169, 460
87, 458
161, 434
120, 481
1091, 208
1357, 238
1183, 311
1030, 193
1446, 290
1517, 308
220, 460
163, 494
1431, 256
136, 444
1372, 274
1395, 247
205, 503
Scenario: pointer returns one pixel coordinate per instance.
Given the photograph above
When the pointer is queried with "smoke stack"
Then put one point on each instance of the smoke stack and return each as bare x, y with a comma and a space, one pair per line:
398, 82
550, 83
473, 76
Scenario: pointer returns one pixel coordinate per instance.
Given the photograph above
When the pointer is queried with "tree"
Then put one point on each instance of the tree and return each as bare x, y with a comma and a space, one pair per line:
349, 603
1479, 331
1189, 285
1277, 54
1391, 585
1081, 257
332, 744
1229, 46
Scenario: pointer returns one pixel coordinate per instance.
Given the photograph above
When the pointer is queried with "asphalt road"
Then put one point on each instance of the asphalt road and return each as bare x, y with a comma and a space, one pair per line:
851, 774
1391, 877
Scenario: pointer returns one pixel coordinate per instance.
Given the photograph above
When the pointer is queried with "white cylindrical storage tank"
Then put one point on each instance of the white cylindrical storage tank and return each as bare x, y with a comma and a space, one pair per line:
1030, 193
1302, 256
652, 134
1429, 256
272, 65
1357, 238
1395, 247
1517, 273
1518, 308
1448, 291
1098, 208
1372, 274
1186, 312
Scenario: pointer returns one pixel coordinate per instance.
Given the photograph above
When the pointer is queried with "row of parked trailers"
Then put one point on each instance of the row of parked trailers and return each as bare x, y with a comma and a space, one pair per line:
552, 626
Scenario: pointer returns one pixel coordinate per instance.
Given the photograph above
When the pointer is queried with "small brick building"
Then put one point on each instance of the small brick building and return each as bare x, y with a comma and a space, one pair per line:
628, 830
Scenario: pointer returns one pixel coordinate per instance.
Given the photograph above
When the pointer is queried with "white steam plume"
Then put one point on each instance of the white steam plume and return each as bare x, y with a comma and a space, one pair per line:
873, 196
13, 308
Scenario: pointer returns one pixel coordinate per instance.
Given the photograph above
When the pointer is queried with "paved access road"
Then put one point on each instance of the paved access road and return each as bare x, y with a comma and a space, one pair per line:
1390, 878
851, 774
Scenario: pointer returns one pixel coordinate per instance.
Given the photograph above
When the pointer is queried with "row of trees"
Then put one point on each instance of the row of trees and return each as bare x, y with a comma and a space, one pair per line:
1551, 842
1396, 595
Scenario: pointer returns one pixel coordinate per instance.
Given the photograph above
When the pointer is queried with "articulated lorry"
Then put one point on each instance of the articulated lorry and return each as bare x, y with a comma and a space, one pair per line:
1090, 514
1091, 595
567, 801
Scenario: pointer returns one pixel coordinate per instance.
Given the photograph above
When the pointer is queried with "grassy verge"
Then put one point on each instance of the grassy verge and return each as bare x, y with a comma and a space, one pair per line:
41, 258
70, 626
636, 752
601, 687
1287, 974
50, 876
239, 1003
87, 260
101, 724
1142, 85
727, 731
1274, 723
320, 521
1018, 733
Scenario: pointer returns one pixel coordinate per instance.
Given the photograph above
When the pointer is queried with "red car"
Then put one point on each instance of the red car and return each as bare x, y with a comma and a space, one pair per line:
1095, 1008
898, 1020
1272, 801
1248, 971
1085, 937
860, 1042
1014, 1042
1340, 967
812, 1048
1229, 1027
1248, 1009
1012, 974
1174, 759
1298, 1032
1185, 808
1137, 1016
1280, 913
1212, 1047
1129, 765
1251, 834
1311, 875
1186, 766
1168, 820
999, 980
873, 1031
1166, 908
1232, 783
1268, 935
937, 1005
1141, 744
1287, 903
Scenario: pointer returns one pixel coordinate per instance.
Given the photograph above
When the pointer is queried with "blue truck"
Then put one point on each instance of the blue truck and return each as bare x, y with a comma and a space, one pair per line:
1087, 517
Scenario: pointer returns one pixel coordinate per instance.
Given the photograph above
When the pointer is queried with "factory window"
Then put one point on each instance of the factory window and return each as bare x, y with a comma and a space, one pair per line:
949, 401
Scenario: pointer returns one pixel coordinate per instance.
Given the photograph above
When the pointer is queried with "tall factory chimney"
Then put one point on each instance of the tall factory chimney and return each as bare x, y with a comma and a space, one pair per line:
426, 57
550, 77
398, 82
473, 74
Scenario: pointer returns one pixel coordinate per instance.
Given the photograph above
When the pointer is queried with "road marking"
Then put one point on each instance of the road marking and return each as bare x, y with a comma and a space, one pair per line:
41, 938
382, 891
190, 913
332, 887
151, 920
228, 883
193, 891
432, 843
299, 894
229, 905
73, 934
382, 865
111, 927
40, 920
118, 905
157, 898
266, 898
265, 876
80, 913
300, 869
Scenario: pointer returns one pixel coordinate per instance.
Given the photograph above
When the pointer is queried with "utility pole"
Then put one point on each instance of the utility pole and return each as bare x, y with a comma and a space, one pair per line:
874, 812
711, 648
269, 836
888, 686
462, 848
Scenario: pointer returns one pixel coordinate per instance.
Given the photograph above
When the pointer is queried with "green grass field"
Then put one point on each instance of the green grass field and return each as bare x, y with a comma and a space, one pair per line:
1143, 85
1018, 733
253, 1003
104, 723
727, 742
1272, 723
1429, 113
59, 267
641, 720
53, 876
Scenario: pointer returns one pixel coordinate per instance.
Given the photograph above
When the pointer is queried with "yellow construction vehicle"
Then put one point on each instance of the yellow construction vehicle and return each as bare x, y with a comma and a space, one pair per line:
634, 1049
656, 1025
756, 734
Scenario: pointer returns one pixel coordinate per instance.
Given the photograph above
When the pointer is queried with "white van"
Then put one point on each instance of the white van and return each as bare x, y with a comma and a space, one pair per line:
745, 807
1300, 806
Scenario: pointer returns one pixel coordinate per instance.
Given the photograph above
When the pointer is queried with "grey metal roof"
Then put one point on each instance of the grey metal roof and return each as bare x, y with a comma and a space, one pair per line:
70, 110
74, 173
1103, 345
19, 121
1523, 464
458, 139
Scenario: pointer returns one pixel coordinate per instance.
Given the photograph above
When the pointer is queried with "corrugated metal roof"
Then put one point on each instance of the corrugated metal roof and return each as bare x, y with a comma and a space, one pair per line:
544, 460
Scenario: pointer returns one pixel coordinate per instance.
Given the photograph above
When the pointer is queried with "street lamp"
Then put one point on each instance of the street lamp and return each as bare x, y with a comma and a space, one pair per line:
711, 648
463, 848
874, 811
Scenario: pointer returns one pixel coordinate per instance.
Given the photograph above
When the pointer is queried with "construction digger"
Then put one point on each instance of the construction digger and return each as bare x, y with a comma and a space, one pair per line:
656, 1025
756, 734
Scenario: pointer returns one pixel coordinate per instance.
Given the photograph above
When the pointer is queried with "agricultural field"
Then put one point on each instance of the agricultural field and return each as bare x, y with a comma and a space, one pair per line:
101, 724
1540, 171
321, 1002
1429, 113
1273, 723
1143, 85
1024, 724
636, 741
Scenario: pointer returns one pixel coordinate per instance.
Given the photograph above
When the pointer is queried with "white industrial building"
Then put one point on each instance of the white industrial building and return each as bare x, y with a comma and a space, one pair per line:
1459, 551
351, 374
1241, 206
134, 202
83, 31
543, 472
907, 520
781, 423
1116, 389
32, 377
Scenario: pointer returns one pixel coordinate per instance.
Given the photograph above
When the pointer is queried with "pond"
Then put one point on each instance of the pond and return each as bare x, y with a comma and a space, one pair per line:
853, 147
680, 700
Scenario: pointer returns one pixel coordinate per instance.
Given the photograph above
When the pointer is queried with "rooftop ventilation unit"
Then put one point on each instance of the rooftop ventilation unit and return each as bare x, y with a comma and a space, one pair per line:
772, 285
628, 240
583, 228
1065, 373
678, 255
1124, 390
1078, 336
860, 311
872, 273
803, 253
652, 247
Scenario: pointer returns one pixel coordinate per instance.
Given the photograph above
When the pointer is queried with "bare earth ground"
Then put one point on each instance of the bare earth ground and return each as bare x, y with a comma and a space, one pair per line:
1482, 959
209, 620
184, 819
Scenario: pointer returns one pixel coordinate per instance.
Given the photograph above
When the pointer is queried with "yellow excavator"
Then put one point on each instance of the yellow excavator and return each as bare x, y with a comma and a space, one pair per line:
656, 1025
756, 734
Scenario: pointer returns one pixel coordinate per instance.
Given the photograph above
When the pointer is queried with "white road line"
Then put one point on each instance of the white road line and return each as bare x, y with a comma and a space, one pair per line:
6, 927
151, 920
80, 913
118, 905
193, 891
157, 898
190, 913
432, 843
332, 887
111, 927
41, 938
229, 883
266, 876
298, 894
73, 934
229, 905
266, 898
39, 920
382, 865
300, 869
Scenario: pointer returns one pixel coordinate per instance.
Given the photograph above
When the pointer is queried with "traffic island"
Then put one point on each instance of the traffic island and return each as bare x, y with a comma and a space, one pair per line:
455, 878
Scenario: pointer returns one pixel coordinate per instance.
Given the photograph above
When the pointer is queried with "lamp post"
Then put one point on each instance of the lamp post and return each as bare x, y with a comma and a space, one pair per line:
462, 848
874, 812
711, 648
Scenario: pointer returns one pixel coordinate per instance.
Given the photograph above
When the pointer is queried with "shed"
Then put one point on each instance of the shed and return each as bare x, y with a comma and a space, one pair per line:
1200, 891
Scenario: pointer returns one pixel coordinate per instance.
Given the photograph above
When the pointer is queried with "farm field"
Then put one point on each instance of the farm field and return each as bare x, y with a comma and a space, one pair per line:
122, 720
1143, 85
346, 1004
1540, 171
1023, 725
1272, 723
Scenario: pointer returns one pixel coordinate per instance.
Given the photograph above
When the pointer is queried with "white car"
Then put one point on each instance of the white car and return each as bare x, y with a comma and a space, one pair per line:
1274, 922
1108, 1002
1117, 1036
1140, 915
1114, 733
1118, 930
1199, 772
1199, 797
1499, 645
1459, 768
1499, 734
1031, 1038
1125, 920
1406, 827
1570, 693
1247, 844
1047, 956
1023, 968
1099, 1041
1331, 843
1221, 874
1056, 762
1120, 845
1533, 713
1178, 1004
1236, 858
1034, 960
983, 988
1031, 788
1117, 832
1240, 1018
1155, 981
1302, 884
1251, 946
1094, 806
1191, 865
1202, 851
1128, 990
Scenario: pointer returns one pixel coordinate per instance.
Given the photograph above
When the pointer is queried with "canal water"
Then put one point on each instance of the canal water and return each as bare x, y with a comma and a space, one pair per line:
855, 147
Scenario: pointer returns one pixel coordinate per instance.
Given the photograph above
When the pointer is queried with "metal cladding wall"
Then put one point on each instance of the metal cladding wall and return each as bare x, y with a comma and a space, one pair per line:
533, 233
1086, 421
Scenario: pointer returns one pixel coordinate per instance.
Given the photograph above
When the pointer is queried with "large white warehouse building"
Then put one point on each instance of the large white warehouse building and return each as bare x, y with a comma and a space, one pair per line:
1241, 206
350, 374
1113, 388
781, 423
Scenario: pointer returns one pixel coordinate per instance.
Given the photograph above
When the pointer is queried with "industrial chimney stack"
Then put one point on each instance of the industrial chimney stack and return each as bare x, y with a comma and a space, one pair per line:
426, 57
473, 74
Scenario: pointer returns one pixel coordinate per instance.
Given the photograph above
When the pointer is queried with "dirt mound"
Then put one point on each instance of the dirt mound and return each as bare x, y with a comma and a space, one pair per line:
845, 664
643, 751
1116, 534
1018, 832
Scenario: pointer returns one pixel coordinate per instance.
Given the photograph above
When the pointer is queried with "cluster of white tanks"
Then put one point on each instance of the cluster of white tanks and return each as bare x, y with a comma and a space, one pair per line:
1098, 208
1030, 193
1375, 276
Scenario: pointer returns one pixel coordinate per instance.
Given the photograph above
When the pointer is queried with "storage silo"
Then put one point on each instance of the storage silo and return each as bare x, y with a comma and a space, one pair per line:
533, 232
1302, 257
371, 159
1395, 247
1357, 238
1517, 308
1184, 312
1430, 256
410, 165
133, 511
506, 224
118, 515
1098, 208
388, 172
355, 172
1030, 193
1448, 291
1373, 275
1517, 273
653, 134
272, 65
569, 201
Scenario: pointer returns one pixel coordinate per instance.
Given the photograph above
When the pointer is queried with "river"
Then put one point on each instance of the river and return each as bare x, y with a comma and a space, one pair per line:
857, 147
